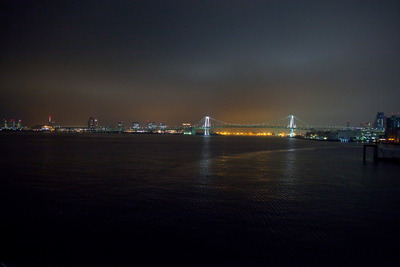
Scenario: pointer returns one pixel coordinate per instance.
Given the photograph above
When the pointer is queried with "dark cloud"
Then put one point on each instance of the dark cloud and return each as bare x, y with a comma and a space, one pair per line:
238, 61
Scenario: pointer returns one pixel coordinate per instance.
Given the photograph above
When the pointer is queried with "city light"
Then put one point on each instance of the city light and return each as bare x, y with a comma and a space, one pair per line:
244, 133
383, 130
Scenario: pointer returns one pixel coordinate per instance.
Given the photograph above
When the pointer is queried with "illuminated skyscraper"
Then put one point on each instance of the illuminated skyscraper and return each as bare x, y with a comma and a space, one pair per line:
380, 123
51, 121
393, 129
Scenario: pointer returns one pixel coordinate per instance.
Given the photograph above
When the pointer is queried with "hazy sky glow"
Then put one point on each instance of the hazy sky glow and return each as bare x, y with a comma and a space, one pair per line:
176, 61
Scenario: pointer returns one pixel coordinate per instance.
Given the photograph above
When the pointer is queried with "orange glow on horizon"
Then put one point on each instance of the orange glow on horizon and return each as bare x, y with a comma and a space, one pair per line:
244, 134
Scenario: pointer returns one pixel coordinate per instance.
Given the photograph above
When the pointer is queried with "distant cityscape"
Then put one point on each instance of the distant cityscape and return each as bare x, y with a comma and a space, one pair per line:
383, 129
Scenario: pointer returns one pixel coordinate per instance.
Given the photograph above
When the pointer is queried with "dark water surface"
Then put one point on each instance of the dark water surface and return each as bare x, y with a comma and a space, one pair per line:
121, 200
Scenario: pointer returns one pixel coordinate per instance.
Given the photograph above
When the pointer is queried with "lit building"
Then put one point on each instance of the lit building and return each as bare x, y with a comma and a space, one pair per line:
380, 121
93, 123
120, 125
162, 125
136, 125
151, 126
392, 132
188, 128
51, 121
12, 124
47, 128
365, 125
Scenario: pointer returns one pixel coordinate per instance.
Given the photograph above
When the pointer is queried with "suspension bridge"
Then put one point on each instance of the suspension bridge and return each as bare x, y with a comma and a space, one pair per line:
291, 123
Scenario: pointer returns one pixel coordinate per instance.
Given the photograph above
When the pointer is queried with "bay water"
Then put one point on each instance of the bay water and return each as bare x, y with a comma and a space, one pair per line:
129, 199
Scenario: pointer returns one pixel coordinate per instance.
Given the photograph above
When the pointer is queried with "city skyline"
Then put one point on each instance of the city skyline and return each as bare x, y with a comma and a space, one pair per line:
178, 61
93, 121
379, 123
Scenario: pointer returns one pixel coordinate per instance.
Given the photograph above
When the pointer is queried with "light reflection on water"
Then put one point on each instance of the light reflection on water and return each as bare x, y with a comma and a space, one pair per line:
205, 168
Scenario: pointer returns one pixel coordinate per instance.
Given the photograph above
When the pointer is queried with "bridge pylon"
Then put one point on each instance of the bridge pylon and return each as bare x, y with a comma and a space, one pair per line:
207, 125
291, 126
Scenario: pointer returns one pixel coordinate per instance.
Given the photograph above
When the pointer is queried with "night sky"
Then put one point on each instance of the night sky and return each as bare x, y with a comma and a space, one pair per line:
237, 61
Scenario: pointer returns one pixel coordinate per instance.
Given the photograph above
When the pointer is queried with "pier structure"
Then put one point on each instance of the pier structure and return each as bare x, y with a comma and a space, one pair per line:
382, 153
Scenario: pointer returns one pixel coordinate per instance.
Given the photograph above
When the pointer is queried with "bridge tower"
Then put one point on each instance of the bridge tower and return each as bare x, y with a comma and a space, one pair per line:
292, 125
207, 125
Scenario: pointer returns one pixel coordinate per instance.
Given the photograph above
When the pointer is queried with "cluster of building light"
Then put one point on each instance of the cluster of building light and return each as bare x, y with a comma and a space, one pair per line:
12, 124
383, 129
249, 134
93, 123
392, 131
